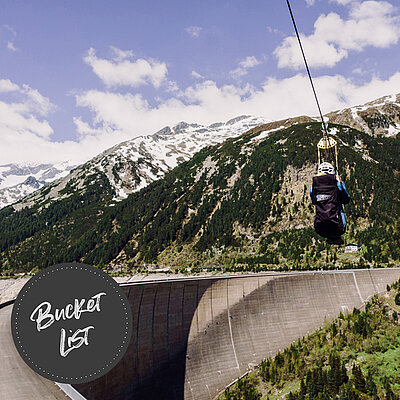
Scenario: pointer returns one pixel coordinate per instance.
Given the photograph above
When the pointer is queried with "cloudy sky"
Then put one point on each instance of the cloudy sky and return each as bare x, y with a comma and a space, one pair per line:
77, 77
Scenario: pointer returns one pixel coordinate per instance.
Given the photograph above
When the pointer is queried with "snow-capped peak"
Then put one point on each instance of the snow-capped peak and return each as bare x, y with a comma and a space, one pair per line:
133, 164
377, 117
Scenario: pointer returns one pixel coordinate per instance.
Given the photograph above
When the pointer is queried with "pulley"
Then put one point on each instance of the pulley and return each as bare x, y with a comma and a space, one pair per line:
324, 146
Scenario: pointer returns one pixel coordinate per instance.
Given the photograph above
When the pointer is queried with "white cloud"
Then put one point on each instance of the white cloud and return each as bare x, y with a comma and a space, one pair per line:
121, 55
244, 66
10, 46
275, 31
130, 115
310, 2
358, 71
26, 136
114, 110
119, 71
194, 31
7, 86
24, 133
342, 2
10, 36
197, 75
249, 62
22, 115
334, 37
319, 53
171, 87
16, 118
36, 102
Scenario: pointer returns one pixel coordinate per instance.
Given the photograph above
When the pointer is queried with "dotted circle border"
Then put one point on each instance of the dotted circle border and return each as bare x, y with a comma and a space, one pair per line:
81, 267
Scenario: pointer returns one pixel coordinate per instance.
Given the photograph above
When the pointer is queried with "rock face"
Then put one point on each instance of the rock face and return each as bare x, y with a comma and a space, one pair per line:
193, 337
378, 117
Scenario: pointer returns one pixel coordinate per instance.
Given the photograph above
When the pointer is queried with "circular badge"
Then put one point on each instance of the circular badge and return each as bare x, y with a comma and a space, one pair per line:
71, 323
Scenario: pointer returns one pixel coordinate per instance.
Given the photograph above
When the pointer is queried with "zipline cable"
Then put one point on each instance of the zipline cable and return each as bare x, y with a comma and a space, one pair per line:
308, 70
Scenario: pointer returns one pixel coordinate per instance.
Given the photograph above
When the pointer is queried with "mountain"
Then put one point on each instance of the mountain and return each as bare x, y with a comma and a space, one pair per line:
17, 181
131, 165
12, 194
379, 117
240, 204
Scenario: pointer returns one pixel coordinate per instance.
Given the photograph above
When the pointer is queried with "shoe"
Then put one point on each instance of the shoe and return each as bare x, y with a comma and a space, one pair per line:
335, 240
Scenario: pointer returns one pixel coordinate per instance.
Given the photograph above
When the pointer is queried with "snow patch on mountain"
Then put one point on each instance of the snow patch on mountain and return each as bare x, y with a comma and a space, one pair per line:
379, 117
14, 174
18, 180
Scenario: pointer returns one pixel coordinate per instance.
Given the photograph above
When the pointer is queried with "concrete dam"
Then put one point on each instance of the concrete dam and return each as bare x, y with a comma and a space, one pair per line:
193, 337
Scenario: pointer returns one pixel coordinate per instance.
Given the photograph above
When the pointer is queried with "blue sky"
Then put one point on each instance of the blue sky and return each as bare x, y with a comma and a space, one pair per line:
77, 77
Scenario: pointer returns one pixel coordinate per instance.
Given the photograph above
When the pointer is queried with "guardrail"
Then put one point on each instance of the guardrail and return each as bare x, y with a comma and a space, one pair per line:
7, 303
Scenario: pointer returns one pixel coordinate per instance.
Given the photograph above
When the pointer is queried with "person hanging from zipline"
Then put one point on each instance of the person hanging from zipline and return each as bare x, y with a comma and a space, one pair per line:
328, 193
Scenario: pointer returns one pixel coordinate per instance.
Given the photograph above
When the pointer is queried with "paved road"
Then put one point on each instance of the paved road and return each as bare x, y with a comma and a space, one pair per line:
17, 380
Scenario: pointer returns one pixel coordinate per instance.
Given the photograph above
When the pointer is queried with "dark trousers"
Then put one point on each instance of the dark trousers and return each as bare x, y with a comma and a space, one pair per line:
329, 229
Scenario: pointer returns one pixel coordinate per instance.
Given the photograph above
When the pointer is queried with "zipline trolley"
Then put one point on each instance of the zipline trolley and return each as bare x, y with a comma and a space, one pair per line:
325, 145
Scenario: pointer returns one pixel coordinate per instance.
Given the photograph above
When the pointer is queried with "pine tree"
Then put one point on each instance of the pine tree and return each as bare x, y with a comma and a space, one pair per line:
303, 390
388, 390
334, 330
395, 316
370, 386
332, 388
265, 370
358, 378
347, 393
343, 374
311, 387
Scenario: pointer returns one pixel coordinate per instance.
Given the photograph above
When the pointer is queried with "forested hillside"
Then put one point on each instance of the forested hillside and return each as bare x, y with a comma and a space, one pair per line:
243, 204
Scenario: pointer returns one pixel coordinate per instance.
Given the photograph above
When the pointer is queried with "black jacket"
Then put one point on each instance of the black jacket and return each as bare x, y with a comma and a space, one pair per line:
328, 198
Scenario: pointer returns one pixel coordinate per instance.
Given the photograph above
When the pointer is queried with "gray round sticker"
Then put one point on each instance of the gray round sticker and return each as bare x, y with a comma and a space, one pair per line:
71, 323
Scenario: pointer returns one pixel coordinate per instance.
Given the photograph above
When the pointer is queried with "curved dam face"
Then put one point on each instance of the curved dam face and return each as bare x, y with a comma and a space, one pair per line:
193, 337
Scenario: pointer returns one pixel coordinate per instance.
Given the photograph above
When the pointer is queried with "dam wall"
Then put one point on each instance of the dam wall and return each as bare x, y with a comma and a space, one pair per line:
17, 380
193, 337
